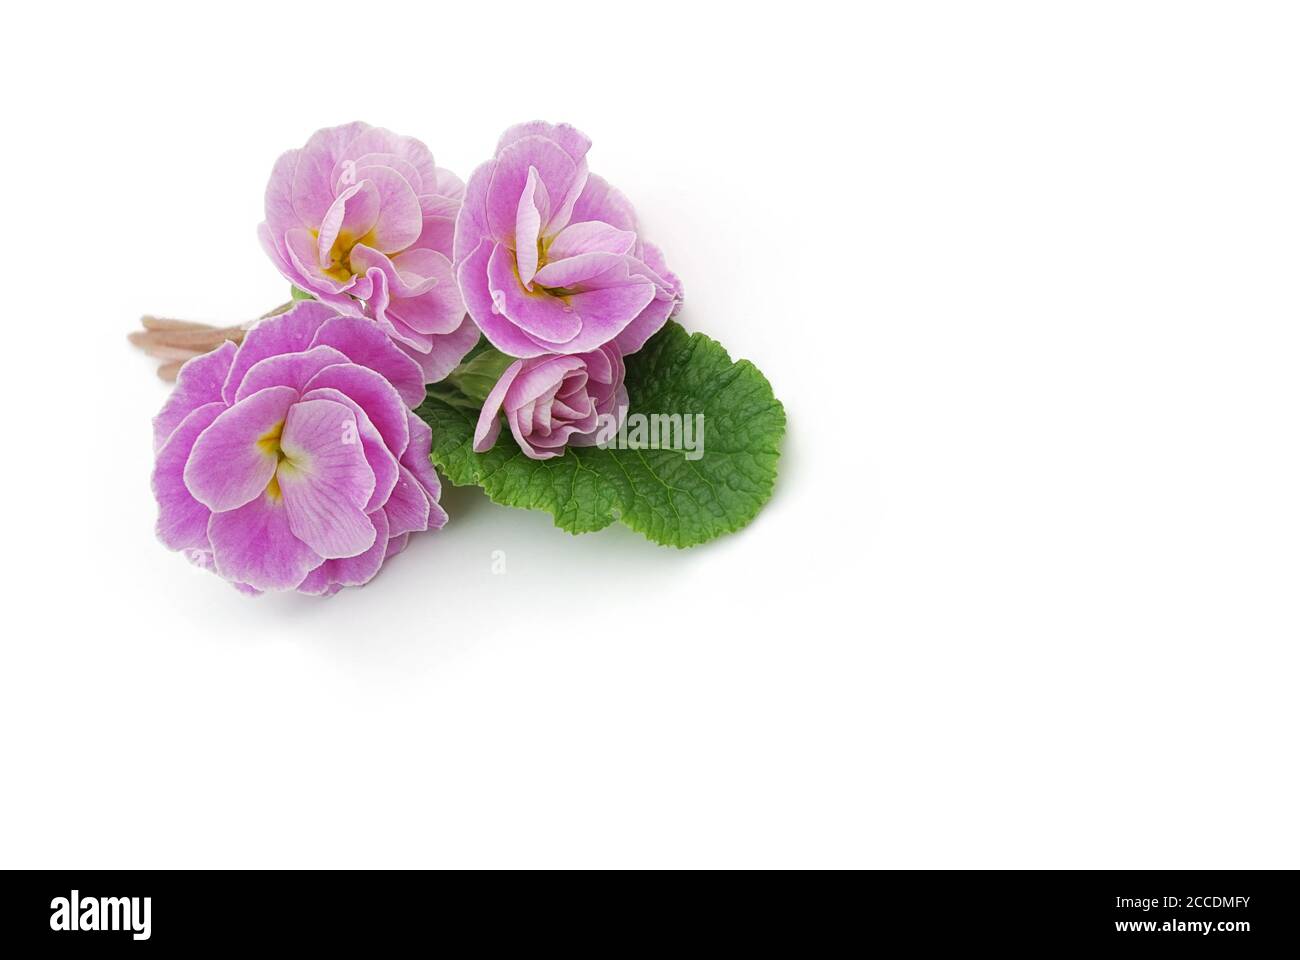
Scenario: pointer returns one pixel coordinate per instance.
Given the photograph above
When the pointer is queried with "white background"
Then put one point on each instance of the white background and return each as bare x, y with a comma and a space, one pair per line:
1024, 275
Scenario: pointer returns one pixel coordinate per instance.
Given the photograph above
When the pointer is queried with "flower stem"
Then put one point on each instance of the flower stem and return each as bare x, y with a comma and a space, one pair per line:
175, 341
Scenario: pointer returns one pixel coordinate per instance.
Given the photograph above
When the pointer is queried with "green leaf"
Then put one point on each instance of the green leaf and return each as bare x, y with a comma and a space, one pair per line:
659, 492
299, 294
476, 377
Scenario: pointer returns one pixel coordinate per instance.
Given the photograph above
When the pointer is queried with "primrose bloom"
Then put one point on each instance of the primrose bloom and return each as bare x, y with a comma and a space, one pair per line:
362, 219
555, 400
548, 256
293, 461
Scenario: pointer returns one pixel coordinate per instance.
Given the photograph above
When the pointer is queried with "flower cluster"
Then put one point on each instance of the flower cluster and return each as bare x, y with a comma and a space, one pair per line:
555, 272
289, 457
362, 219
293, 461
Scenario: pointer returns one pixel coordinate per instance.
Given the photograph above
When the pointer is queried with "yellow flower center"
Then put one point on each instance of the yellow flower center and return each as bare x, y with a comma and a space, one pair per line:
340, 266
269, 443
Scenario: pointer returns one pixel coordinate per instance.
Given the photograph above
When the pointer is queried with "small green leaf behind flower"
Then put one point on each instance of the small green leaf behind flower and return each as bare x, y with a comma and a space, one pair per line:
660, 493
476, 377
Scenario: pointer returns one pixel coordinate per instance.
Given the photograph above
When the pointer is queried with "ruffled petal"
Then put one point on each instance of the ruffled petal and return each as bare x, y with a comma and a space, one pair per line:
382, 461
351, 571
608, 305
361, 341
445, 350
351, 216
439, 230
416, 459
489, 423
400, 218
578, 269
325, 479
557, 171
396, 545
182, 520
472, 275
312, 190
198, 383
288, 332
287, 370
407, 507
569, 138
537, 313
533, 208
590, 236
413, 153
471, 221
600, 201
647, 323
367, 388
575, 144
254, 545
416, 276
234, 459
538, 377
280, 215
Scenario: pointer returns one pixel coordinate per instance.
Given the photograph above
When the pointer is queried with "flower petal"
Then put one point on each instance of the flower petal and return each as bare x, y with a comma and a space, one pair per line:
280, 215
361, 341
535, 312
345, 171
600, 201
400, 218
379, 398
647, 323
350, 571
417, 276
234, 459
533, 206
382, 461
489, 421
300, 245
422, 290
445, 350
288, 370
325, 479
472, 275
439, 230
590, 236
288, 332
312, 191
351, 216
407, 508
570, 139
182, 520
573, 142
416, 459
471, 221
577, 269
541, 376
557, 171
396, 545
608, 304
377, 140
254, 545
198, 382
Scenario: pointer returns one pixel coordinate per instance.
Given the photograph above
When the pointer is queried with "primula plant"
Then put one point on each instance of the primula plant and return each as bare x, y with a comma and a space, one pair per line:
515, 331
